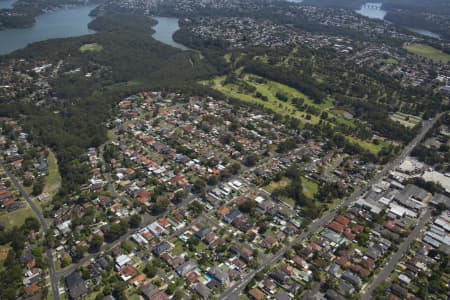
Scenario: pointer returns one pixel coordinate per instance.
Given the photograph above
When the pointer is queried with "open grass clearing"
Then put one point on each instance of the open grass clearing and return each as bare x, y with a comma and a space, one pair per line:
268, 89
390, 61
53, 180
16, 218
310, 188
428, 52
94, 47
284, 182
405, 119
273, 104
371, 147
4, 250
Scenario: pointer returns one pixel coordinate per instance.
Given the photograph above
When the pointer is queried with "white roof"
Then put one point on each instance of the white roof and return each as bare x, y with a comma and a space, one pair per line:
439, 178
398, 210
122, 260
259, 199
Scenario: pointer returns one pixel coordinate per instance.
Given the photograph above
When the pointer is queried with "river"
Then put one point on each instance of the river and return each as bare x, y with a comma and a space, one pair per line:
6, 3
56, 24
164, 31
71, 22
373, 10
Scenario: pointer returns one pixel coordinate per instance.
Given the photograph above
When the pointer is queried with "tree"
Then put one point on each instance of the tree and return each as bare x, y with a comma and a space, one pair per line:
38, 186
160, 206
171, 288
213, 180
248, 206
31, 224
199, 186
251, 160
135, 220
96, 243
150, 270
178, 295
179, 196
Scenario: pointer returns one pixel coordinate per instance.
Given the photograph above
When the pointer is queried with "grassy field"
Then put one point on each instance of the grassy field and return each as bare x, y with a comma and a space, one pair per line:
405, 119
390, 61
53, 180
91, 48
428, 52
310, 188
16, 218
269, 89
4, 249
277, 184
371, 147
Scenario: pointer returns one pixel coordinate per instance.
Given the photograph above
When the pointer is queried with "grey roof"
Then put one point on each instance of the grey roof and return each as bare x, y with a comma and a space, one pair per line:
187, 267
220, 275
161, 247
352, 278
440, 198
76, 285
331, 235
411, 191
345, 288
149, 290
282, 296
202, 290
203, 232
279, 276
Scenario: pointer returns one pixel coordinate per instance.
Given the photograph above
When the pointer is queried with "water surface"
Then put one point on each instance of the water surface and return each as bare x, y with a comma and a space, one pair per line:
425, 33
67, 22
372, 10
6, 3
164, 31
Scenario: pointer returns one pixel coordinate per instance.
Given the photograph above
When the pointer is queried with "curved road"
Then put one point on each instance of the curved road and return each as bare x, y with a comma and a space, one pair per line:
45, 228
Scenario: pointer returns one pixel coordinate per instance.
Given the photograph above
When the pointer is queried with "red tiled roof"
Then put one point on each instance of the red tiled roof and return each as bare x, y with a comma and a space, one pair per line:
342, 220
336, 226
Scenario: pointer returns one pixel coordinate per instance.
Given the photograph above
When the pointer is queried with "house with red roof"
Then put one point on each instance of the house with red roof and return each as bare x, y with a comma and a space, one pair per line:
338, 227
342, 220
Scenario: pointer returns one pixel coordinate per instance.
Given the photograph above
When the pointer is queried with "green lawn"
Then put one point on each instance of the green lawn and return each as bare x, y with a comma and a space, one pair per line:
273, 104
178, 249
405, 119
3, 250
269, 90
310, 188
277, 184
91, 48
53, 180
428, 52
371, 147
390, 61
288, 201
16, 218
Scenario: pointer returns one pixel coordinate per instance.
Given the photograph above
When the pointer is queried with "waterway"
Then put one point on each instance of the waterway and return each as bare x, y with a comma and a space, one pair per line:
71, 22
372, 10
165, 30
61, 23
425, 32
6, 3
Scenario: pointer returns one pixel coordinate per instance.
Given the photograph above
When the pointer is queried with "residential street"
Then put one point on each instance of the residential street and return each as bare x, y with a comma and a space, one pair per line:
45, 229
393, 261
234, 291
